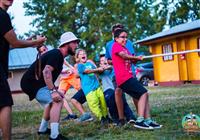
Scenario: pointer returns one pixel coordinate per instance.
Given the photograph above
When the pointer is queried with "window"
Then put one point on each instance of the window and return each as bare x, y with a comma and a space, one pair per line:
167, 48
198, 44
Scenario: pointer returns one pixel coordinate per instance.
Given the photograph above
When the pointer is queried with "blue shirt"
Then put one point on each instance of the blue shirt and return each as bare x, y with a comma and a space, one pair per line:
89, 82
129, 46
106, 79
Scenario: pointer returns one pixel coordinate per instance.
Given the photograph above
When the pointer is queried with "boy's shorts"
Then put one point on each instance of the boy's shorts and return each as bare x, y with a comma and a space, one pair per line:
43, 96
5, 93
80, 97
66, 83
133, 87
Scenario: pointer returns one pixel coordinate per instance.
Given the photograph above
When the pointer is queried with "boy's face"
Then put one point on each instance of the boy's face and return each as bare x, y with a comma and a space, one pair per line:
122, 38
103, 61
43, 49
82, 56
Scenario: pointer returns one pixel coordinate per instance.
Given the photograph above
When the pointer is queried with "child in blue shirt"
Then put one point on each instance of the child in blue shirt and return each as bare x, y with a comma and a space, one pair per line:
91, 87
109, 93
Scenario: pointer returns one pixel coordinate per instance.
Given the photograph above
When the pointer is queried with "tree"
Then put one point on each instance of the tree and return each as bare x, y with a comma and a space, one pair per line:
184, 11
92, 20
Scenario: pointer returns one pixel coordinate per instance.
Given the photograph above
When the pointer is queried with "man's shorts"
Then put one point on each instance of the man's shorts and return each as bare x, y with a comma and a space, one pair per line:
80, 96
133, 87
5, 93
66, 83
43, 96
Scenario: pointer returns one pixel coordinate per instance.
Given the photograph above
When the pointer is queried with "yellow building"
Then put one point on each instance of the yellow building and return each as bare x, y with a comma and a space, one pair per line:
176, 69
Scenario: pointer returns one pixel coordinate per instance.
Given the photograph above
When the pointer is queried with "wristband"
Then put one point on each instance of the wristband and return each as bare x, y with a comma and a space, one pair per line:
53, 90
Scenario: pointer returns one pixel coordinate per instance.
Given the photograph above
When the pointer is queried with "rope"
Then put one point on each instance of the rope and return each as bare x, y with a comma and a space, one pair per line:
174, 53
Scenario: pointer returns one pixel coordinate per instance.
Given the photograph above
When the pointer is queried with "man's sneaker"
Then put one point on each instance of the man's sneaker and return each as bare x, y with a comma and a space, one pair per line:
85, 117
69, 117
154, 124
47, 132
59, 137
143, 125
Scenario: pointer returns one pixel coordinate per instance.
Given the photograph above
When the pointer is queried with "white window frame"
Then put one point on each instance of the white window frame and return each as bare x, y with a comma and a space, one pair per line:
167, 48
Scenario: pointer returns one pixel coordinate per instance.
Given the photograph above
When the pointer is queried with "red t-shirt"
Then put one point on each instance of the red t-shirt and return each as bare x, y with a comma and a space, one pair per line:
122, 67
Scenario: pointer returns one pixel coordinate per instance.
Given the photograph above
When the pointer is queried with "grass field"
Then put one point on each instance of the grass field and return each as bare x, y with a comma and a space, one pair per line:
168, 107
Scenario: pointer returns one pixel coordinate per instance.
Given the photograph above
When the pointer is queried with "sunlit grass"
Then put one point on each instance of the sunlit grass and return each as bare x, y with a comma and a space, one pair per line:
168, 106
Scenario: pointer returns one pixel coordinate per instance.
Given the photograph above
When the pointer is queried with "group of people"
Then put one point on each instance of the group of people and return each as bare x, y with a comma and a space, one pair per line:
106, 100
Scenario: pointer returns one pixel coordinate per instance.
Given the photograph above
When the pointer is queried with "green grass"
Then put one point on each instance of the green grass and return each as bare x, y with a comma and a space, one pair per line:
168, 107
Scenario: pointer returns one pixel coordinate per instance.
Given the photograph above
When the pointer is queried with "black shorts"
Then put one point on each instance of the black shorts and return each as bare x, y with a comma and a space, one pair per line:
80, 96
133, 87
5, 93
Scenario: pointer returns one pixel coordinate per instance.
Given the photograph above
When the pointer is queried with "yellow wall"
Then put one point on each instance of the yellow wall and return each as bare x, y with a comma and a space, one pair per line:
193, 59
182, 63
187, 69
165, 71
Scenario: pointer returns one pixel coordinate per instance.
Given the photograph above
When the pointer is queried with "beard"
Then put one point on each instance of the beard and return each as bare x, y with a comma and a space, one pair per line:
70, 51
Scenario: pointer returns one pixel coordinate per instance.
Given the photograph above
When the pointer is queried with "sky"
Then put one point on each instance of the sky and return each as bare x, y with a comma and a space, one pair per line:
20, 21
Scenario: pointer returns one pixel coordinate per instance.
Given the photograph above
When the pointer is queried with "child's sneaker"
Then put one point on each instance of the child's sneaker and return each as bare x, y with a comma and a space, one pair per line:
154, 124
143, 125
121, 122
131, 121
69, 117
85, 117
105, 121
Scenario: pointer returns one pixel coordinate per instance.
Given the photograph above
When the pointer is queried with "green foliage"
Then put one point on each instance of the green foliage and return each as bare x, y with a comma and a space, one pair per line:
91, 20
184, 11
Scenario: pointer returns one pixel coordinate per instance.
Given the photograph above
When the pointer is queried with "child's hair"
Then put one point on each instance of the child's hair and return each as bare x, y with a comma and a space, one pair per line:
117, 26
118, 32
77, 53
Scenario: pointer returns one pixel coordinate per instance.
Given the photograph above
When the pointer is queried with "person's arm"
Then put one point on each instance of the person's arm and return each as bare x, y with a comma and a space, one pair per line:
129, 57
108, 67
97, 70
11, 37
68, 65
76, 71
47, 74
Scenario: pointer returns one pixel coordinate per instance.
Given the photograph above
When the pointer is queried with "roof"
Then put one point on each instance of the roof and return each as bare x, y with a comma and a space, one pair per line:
22, 58
194, 25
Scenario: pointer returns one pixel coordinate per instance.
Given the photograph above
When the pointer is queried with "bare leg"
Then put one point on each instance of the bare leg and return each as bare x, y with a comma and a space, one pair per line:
78, 106
142, 105
119, 102
46, 113
67, 107
55, 111
135, 102
147, 108
5, 122
66, 104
